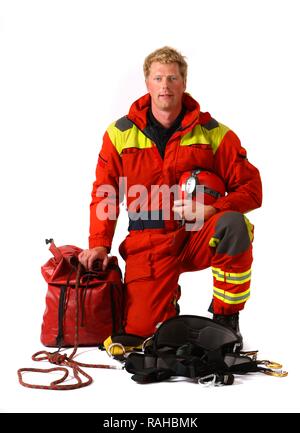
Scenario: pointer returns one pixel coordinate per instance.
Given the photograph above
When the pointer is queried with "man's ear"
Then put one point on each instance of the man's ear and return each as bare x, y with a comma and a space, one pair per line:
146, 82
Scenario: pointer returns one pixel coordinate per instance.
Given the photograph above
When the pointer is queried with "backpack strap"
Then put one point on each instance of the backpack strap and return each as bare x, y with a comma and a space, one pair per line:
63, 361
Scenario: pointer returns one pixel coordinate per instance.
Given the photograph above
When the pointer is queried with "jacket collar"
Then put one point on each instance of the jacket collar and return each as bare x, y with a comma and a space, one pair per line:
138, 112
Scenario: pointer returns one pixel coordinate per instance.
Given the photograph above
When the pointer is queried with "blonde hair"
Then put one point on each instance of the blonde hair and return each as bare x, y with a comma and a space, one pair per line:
166, 55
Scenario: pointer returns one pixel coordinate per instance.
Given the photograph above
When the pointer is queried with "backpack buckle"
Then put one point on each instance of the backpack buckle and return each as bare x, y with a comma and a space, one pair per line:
110, 350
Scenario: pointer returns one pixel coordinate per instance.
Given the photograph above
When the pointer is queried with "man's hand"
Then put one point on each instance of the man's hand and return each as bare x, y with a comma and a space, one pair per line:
88, 257
190, 211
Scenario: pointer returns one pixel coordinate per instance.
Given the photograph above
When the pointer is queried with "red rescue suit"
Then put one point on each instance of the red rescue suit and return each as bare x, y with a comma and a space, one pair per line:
156, 253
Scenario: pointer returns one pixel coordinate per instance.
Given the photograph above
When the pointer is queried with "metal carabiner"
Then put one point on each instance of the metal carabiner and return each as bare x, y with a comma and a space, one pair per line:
270, 364
278, 373
145, 343
275, 368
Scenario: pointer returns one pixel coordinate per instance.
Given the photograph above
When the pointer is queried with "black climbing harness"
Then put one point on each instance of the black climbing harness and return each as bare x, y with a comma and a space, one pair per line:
193, 347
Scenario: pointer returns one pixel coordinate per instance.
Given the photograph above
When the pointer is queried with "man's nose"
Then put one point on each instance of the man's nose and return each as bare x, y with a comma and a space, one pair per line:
165, 82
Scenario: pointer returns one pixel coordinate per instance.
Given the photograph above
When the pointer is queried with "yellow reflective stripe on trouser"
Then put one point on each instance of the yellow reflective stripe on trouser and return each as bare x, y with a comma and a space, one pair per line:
231, 298
231, 277
214, 242
249, 228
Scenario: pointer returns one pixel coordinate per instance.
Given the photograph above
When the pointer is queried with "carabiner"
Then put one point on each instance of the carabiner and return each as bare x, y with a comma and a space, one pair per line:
278, 373
275, 368
270, 364
144, 345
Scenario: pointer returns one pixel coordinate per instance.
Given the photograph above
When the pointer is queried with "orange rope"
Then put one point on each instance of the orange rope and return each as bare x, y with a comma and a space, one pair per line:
63, 360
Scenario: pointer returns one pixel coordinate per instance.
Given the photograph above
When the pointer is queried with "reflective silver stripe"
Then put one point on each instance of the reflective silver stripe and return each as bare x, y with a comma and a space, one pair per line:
217, 273
231, 298
245, 277
231, 276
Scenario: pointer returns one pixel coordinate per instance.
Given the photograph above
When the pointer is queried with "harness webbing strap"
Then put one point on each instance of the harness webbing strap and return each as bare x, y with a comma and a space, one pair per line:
194, 347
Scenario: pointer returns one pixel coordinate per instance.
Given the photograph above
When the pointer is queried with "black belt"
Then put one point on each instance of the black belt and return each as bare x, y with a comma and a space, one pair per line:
147, 222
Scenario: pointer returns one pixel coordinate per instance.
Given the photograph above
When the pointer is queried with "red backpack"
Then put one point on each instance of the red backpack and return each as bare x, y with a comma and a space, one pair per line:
99, 303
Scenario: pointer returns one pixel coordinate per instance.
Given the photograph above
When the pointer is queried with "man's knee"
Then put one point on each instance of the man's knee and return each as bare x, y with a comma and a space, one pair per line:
233, 233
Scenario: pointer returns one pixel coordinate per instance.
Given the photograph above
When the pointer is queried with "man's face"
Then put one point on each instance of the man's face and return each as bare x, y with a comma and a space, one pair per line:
166, 86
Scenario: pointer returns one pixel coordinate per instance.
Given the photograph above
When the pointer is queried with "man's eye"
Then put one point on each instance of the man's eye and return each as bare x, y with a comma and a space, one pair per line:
157, 78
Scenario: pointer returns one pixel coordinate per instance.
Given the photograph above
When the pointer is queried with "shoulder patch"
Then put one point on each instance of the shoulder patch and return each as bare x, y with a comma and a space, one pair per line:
123, 124
211, 124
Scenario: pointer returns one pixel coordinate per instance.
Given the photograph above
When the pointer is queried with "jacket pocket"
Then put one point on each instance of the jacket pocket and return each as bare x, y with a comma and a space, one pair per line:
130, 150
195, 155
201, 146
138, 267
134, 244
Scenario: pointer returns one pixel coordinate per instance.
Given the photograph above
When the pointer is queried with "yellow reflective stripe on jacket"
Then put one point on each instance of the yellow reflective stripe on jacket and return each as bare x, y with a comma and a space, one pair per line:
231, 298
200, 135
132, 137
231, 277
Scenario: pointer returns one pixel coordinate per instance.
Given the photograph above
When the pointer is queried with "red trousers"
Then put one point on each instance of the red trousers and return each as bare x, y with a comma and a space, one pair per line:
155, 258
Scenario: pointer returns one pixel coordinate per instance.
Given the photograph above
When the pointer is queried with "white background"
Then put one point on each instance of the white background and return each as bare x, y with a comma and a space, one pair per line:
67, 70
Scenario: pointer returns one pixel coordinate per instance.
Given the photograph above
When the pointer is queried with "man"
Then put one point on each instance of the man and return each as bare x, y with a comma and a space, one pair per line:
164, 135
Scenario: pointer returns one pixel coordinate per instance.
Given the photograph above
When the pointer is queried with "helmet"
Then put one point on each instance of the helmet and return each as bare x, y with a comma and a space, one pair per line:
214, 187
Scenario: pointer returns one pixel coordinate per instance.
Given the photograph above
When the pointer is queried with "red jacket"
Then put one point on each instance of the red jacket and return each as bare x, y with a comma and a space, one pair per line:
201, 141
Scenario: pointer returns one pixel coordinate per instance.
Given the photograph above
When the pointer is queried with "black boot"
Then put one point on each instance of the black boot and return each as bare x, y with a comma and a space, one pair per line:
231, 321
